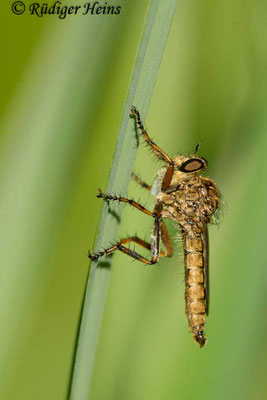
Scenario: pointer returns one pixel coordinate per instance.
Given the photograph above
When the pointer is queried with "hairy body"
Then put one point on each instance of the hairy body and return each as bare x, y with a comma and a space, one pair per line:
190, 200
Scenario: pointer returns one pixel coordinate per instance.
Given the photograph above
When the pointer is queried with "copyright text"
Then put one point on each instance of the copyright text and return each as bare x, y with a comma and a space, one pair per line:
62, 10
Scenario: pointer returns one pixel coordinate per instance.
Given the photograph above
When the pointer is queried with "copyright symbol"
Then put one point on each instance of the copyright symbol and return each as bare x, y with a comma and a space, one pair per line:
18, 7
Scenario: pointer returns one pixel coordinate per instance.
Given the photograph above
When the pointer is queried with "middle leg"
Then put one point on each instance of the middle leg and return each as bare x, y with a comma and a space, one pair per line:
132, 203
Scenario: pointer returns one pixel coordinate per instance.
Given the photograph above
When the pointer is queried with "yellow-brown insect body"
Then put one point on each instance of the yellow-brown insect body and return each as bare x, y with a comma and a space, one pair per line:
190, 201
194, 285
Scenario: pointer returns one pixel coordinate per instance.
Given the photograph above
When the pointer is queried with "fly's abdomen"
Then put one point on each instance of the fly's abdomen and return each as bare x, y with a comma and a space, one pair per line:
194, 285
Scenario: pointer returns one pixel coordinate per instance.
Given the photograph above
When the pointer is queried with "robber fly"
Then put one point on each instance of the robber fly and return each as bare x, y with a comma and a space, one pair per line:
190, 200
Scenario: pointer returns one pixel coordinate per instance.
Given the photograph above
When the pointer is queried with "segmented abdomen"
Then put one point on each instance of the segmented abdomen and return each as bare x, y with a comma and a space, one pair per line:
194, 285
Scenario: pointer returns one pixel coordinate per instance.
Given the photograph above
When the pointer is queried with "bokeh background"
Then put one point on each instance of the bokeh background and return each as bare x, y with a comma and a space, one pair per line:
63, 86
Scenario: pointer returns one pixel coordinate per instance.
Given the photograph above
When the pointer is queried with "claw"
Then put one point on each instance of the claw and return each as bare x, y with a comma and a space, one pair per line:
133, 110
92, 256
100, 194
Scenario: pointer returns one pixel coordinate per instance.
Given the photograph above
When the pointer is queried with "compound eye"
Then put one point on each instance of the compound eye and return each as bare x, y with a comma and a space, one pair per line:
193, 165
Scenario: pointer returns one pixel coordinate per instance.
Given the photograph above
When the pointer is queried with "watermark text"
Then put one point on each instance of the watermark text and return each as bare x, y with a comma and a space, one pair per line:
62, 10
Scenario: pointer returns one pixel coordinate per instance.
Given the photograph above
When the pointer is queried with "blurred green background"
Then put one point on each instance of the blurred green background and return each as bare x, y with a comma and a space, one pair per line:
63, 86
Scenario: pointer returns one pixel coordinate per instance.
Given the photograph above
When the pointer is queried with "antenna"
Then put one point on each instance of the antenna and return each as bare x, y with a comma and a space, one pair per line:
196, 149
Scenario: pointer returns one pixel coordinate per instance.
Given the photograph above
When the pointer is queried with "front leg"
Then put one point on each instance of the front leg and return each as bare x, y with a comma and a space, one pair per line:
156, 149
140, 182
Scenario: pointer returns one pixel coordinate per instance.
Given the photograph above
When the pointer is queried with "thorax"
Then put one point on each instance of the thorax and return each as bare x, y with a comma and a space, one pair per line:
190, 200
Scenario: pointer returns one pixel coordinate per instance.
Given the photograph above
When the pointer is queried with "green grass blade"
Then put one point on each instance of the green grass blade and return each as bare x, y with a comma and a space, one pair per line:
148, 60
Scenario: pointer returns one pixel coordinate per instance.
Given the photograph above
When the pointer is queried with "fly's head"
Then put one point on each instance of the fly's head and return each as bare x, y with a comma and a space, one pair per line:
190, 165
186, 165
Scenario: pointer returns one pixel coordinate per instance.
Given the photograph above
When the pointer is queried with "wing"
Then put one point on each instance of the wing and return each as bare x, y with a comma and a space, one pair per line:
205, 236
